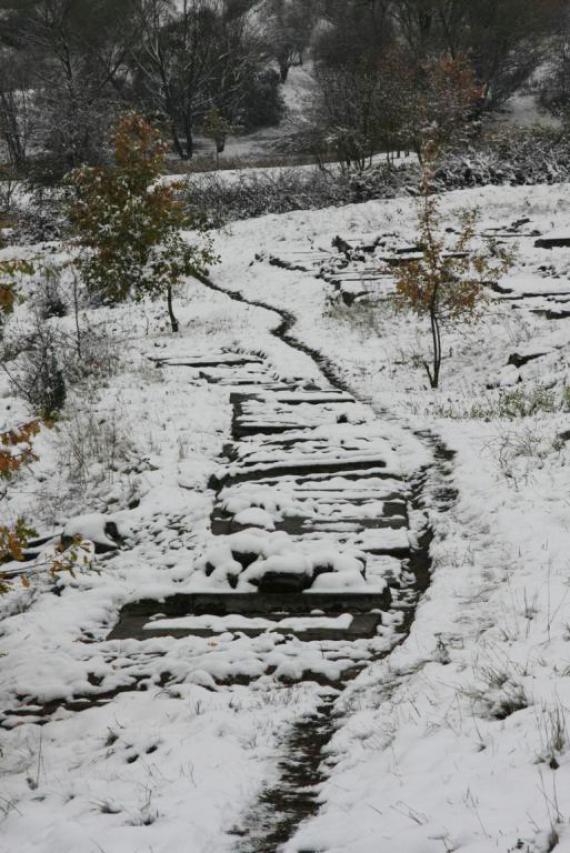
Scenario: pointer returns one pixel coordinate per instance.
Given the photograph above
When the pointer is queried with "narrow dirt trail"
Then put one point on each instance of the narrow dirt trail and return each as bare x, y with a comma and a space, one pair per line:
316, 556
274, 818
309, 572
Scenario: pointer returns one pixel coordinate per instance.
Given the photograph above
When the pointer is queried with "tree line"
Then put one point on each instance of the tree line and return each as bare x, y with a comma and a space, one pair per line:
69, 68
388, 69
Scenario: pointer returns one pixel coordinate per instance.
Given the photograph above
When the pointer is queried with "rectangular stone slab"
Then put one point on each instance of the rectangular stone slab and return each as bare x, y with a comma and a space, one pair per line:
134, 616
362, 626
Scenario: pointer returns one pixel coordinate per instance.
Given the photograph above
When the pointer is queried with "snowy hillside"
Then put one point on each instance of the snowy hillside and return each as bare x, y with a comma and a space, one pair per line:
441, 728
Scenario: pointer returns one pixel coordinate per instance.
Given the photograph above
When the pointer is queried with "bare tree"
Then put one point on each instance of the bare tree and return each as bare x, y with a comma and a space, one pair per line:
288, 31
17, 112
75, 51
345, 114
352, 32
504, 39
390, 105
190, 59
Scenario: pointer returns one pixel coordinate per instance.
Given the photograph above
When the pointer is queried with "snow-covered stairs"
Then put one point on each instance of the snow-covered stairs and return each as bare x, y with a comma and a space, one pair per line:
310, 521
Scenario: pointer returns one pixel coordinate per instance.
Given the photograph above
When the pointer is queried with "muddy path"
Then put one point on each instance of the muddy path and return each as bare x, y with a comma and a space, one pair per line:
292, 798
283, 332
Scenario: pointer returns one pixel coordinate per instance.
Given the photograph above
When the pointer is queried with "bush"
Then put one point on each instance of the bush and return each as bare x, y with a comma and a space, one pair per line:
280, 191
262, 102
43, 220
94, 448
511, 405
519, 158
38, 377
527, 157
50, 301
522, 403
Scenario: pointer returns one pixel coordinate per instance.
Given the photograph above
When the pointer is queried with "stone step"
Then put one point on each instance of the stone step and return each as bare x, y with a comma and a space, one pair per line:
354, 468
135, 616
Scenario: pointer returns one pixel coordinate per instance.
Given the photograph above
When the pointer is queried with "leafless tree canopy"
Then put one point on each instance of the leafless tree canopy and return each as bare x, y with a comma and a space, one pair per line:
69, 67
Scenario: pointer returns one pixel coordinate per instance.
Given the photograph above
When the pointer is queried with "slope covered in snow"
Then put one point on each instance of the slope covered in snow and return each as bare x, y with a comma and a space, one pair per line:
457, 740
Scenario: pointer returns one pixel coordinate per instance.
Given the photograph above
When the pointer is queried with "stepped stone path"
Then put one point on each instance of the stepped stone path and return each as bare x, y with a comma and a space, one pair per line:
310, 525
319, 549
314, 561
316, 556
361, 269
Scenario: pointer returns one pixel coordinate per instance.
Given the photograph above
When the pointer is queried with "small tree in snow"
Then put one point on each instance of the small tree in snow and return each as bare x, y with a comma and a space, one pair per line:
10, 273
447, 283
15, 453
129, 223
217, 128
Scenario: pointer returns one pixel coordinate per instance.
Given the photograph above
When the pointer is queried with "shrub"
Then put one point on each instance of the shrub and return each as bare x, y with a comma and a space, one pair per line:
50, 302
13, 540
253, 194
445, 284
10, 275
521, 402
93, 447
521, 158
262, 102
16, 452
38, 376
16, 448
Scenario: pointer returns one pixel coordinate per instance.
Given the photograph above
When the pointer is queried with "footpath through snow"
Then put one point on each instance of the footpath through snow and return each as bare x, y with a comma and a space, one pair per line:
314, 571
453, 739
459, 740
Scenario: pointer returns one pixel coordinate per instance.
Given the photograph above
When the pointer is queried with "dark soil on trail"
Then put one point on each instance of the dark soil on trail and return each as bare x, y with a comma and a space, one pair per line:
274, 818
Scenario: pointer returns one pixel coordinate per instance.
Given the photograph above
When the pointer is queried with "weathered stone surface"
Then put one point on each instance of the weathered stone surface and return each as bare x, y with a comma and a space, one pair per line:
520, 360
552, 243
283, 582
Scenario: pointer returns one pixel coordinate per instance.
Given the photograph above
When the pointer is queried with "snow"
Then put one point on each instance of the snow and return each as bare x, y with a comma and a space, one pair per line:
254, 517
236, 622
91, 527
457, 740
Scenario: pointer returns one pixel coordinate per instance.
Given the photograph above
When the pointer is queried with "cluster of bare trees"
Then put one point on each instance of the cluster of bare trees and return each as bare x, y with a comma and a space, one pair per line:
504, 39
380, 62
68, 67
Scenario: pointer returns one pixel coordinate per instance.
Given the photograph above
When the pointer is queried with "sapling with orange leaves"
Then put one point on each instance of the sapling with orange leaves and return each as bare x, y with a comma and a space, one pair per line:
16, 450
448, 283
128, 222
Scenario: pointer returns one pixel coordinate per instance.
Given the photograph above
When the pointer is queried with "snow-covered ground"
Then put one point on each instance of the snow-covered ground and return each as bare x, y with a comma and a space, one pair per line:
458, 739
260, 145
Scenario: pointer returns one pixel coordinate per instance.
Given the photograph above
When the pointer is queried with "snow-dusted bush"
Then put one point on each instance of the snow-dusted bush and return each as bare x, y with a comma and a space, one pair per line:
41, 219
38, 374
284, 190
50, 301
527, 157
44, 360
95, 361
533, 156
7, 189
94, 449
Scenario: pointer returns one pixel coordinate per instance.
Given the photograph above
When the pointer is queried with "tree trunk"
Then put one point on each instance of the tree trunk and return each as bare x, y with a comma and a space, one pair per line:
189, 138
433, 373
173, 321
176, 141
283, 70
10, 130
76, 313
